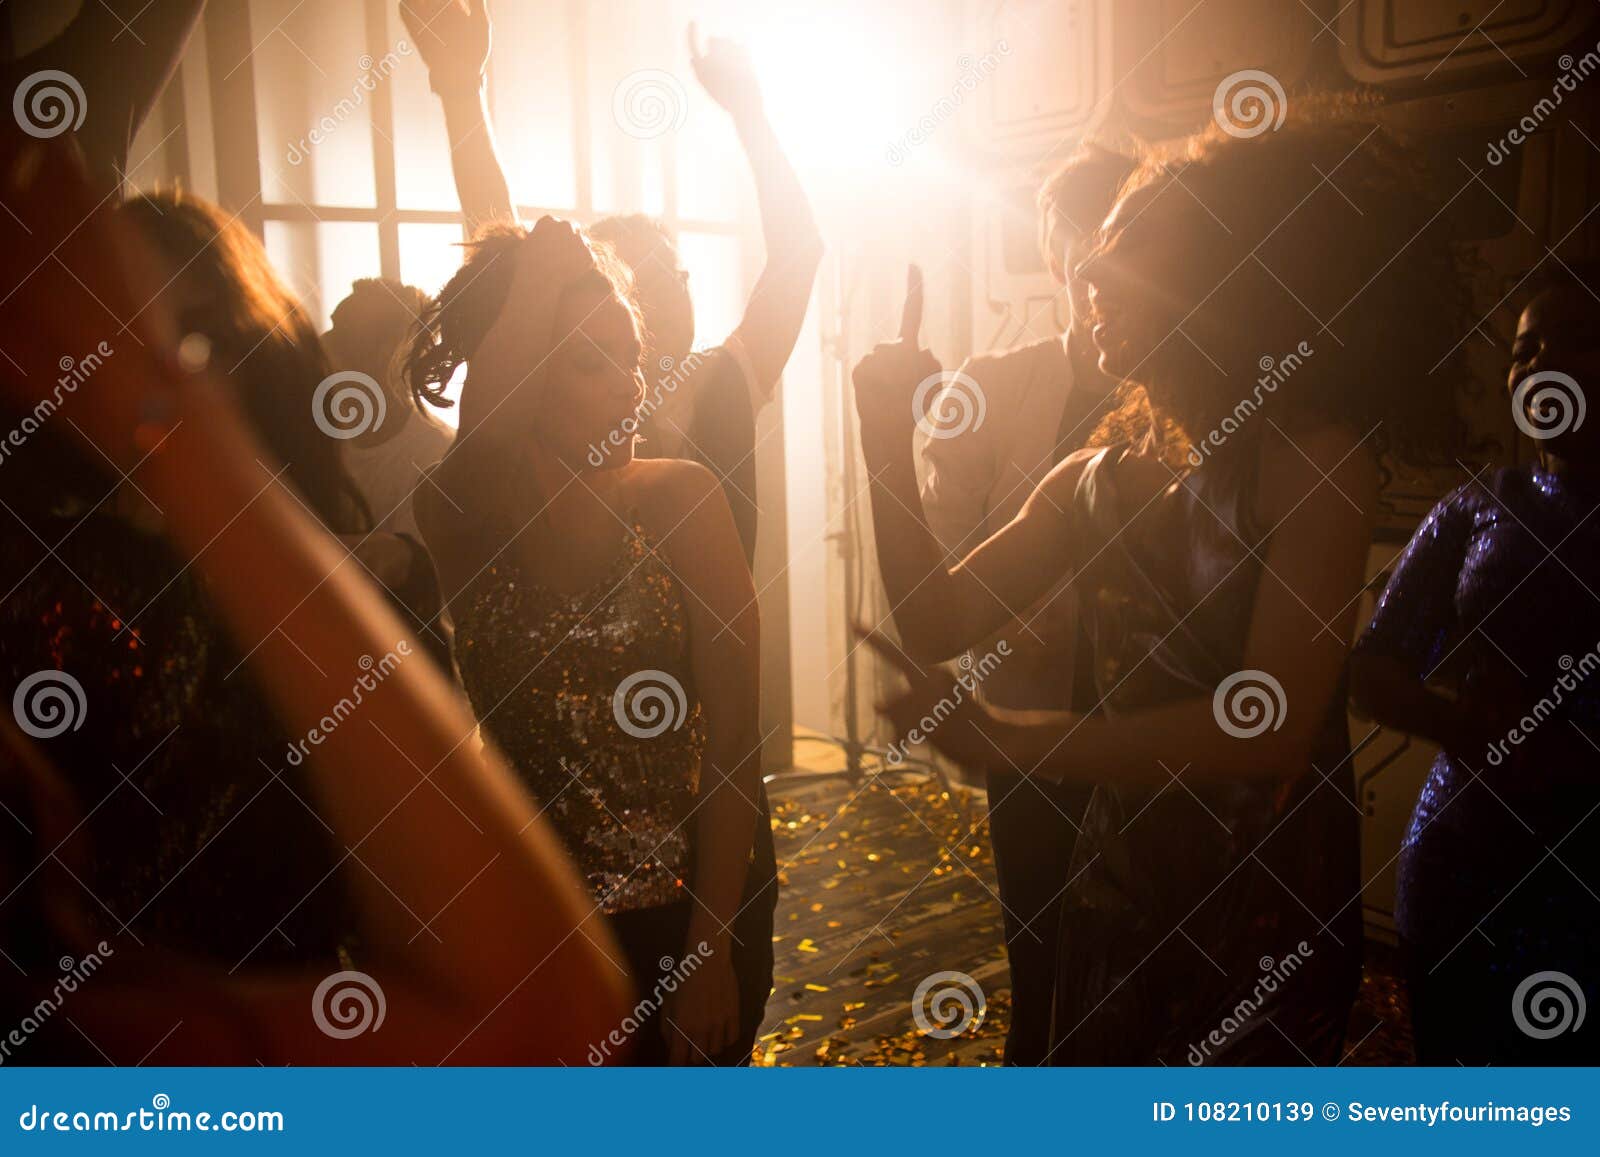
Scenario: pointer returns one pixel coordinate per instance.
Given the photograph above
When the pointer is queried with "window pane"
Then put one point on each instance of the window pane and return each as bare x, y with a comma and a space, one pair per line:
423, 179
429, 255
314, 81
531, 94
716, 283
320, 260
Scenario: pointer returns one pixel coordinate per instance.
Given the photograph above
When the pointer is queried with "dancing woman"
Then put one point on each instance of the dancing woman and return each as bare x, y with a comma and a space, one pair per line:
222, 890
1485, 643
1218, 539
606, 627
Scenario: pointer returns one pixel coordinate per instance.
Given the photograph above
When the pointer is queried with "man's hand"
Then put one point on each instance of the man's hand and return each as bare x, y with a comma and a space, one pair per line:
886, 380
452, 37
725, 72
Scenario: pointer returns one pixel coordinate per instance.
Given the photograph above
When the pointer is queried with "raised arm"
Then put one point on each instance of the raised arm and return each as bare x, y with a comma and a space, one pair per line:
120, 53
941, 610
777, 306
469, 912
454, 38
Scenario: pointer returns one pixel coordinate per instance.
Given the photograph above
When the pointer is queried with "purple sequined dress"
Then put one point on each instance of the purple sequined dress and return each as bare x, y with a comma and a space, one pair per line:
1499, 594
1207, 922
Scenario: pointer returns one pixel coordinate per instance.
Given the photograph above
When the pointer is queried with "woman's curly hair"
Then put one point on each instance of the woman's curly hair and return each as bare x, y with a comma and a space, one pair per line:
1345, 225
461, 315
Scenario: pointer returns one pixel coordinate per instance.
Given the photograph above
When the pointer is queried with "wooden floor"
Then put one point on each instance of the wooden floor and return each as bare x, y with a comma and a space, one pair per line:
889, 880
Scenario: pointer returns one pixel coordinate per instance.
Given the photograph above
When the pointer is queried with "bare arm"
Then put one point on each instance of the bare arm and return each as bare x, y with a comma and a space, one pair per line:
454, 38
121, 53
725, 659
1303, 615
941, 610
777, 307
383, 778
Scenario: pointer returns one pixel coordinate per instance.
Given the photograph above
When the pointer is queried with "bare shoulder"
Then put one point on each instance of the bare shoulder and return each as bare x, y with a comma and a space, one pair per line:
1318, 464
1059, 487
669, 492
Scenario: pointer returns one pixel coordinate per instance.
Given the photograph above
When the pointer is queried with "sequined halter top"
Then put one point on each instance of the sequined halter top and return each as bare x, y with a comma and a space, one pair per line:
590, 697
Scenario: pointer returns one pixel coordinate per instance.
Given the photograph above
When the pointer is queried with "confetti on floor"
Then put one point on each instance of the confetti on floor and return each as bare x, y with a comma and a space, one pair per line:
888, 880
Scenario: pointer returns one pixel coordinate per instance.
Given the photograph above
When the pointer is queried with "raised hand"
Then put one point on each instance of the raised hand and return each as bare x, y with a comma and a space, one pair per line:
520, 341
886, 380
725, 72
452, 36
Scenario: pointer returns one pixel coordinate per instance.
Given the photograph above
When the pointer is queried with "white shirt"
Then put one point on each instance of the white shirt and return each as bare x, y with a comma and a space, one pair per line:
976, 481
389, 473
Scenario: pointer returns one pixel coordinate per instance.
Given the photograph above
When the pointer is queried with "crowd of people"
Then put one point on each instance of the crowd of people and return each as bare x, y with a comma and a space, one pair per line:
519, 850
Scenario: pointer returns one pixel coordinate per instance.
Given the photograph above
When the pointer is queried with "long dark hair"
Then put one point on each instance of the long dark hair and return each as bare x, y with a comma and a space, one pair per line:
1346, 217
457, 320
264, 340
